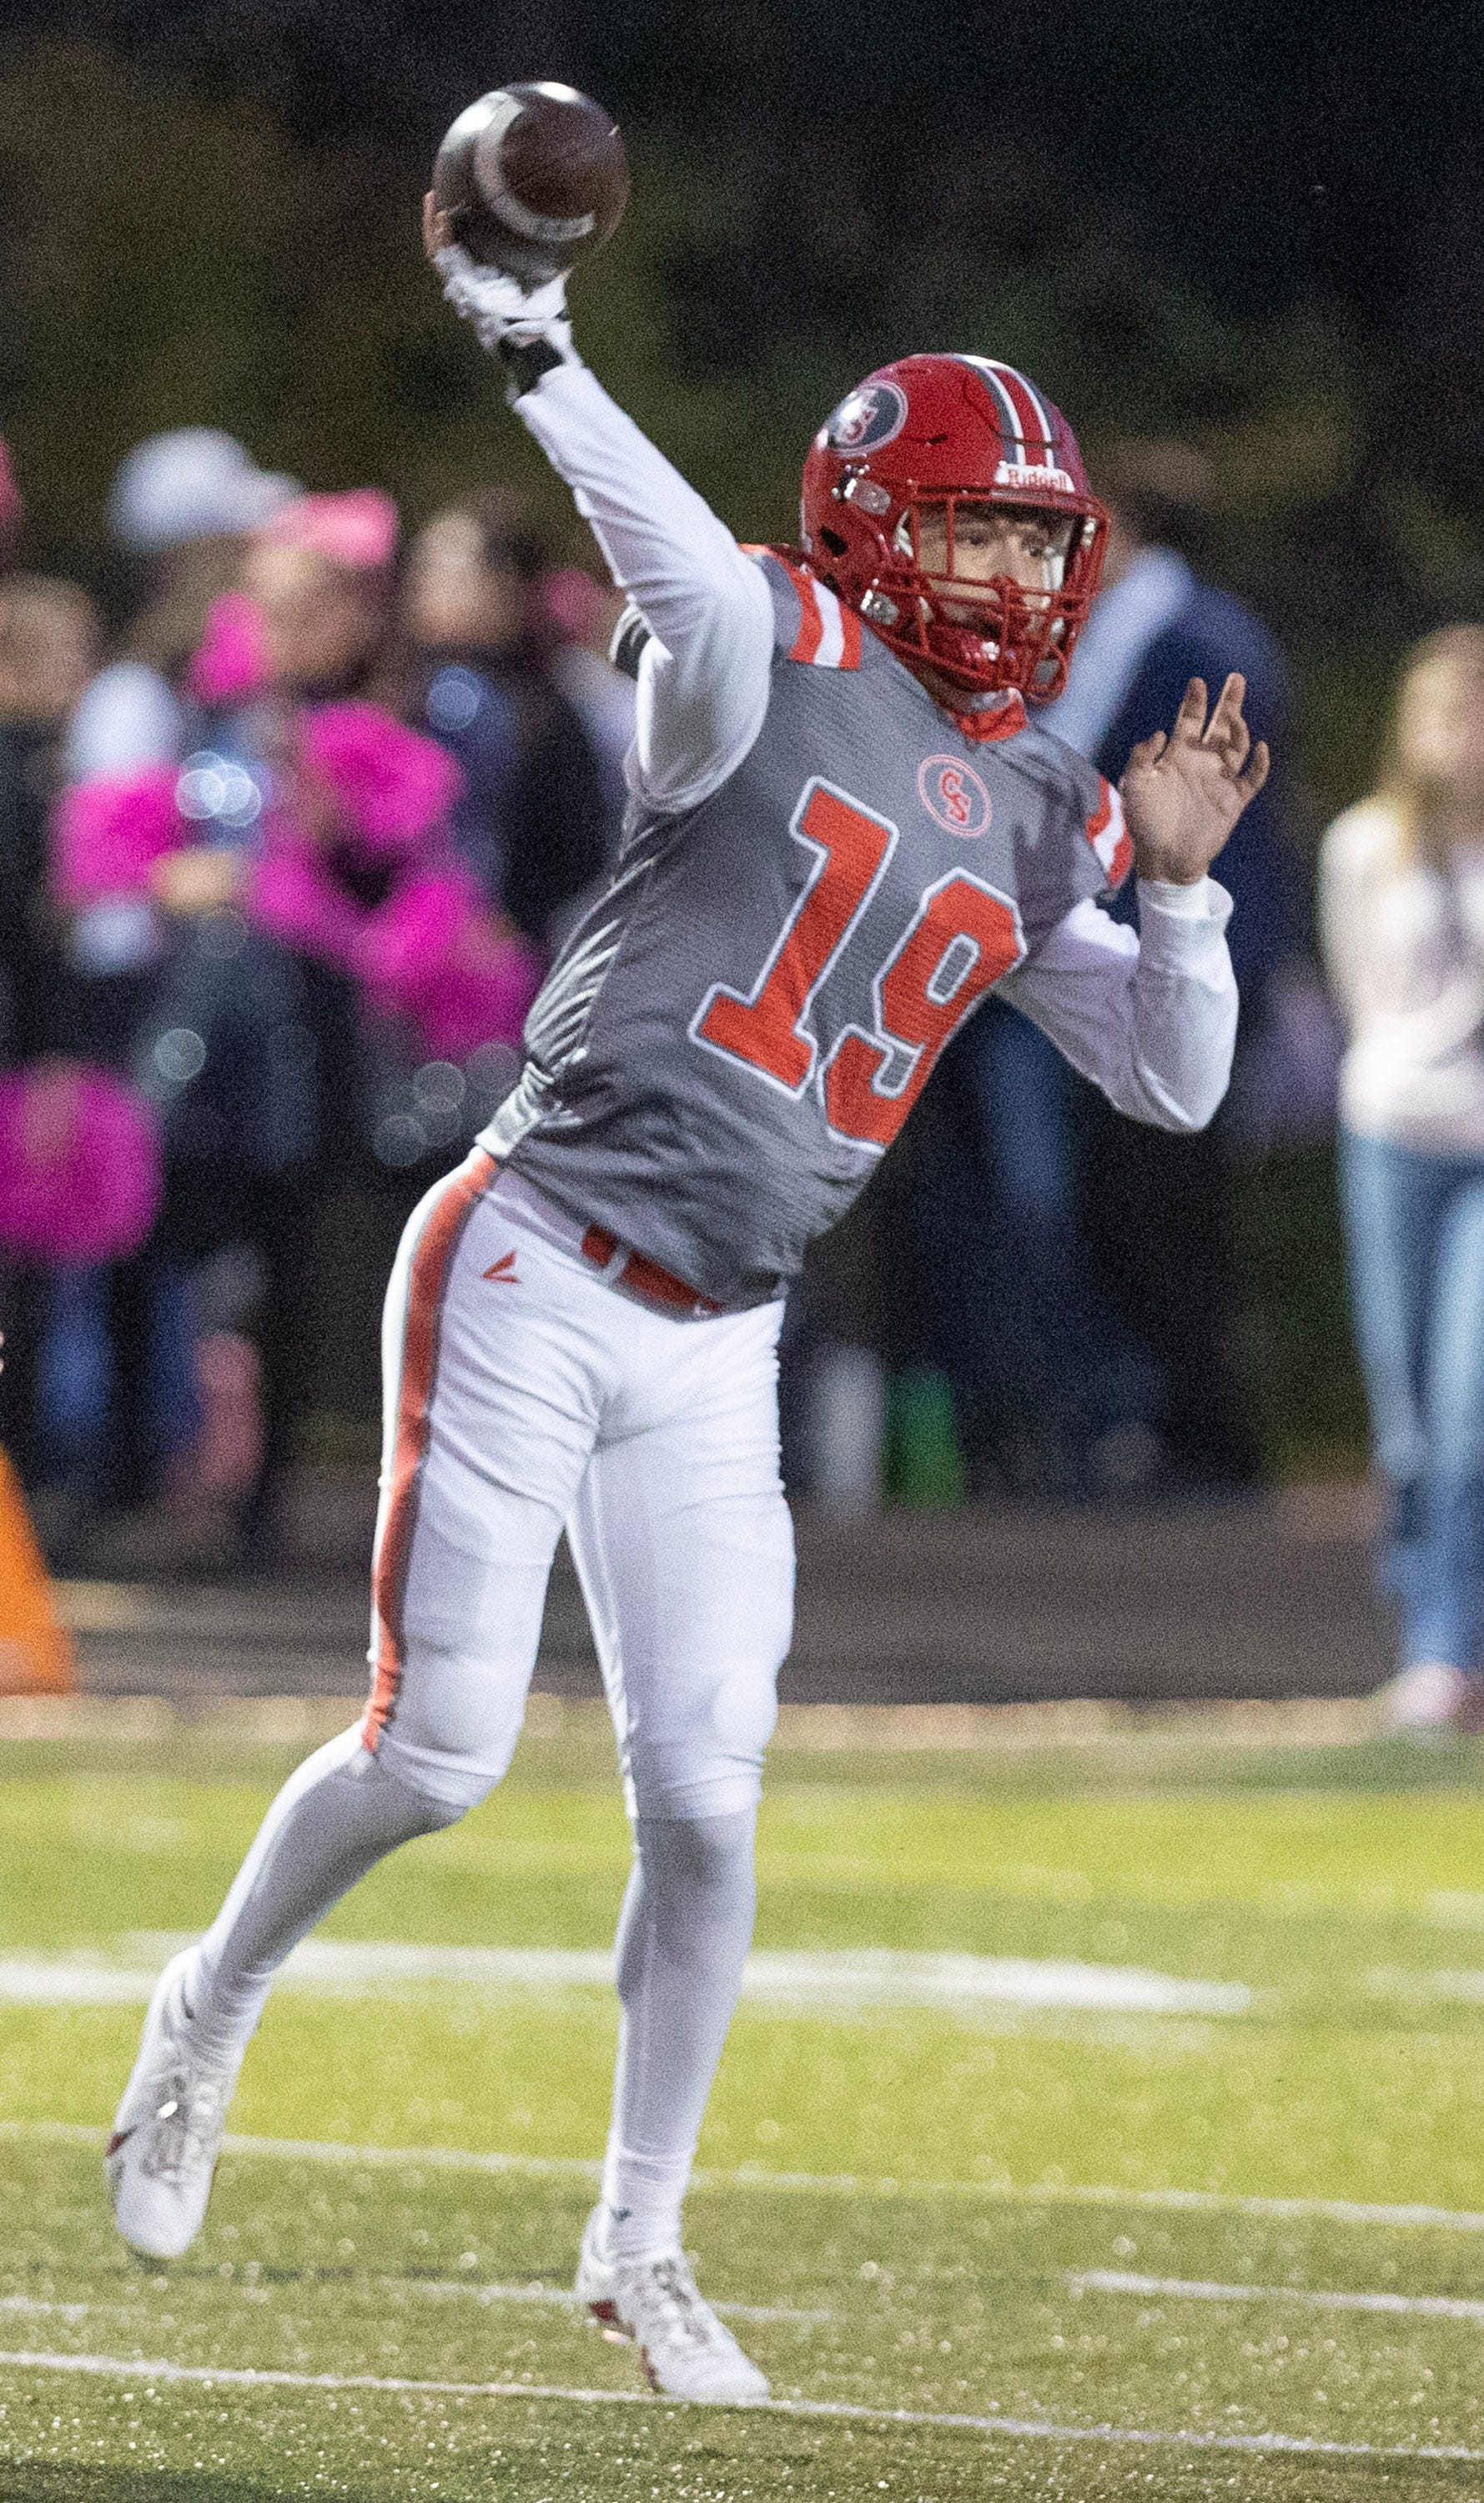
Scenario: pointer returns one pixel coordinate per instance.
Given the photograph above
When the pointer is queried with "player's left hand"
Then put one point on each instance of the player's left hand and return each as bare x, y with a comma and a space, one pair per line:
1183, 793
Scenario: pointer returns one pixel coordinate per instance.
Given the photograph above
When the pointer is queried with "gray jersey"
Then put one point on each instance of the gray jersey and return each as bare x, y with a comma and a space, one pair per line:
735, 1034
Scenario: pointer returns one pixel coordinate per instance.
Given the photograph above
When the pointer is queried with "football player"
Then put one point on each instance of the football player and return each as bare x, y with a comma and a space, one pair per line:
845, 828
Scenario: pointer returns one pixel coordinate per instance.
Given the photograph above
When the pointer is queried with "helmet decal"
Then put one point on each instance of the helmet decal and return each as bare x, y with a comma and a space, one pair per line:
869, 418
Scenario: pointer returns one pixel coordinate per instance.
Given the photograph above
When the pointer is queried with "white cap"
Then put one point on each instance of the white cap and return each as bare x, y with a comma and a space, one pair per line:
194, 483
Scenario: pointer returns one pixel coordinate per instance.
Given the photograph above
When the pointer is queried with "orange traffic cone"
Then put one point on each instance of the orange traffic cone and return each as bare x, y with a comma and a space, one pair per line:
35, 1649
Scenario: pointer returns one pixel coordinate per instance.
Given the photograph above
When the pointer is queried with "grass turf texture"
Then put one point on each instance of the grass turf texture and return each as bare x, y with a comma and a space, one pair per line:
1343, 1885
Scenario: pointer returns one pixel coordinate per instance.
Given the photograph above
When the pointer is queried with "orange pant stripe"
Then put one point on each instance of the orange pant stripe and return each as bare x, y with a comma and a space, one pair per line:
431, 1263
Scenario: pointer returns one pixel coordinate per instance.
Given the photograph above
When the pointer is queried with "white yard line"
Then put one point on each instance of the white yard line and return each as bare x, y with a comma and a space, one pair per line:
448, 2288
148, 2374
807, 1984
314, 2150
1428, 2307
843, 2185
60, 1981
1388, 1983
432, 2290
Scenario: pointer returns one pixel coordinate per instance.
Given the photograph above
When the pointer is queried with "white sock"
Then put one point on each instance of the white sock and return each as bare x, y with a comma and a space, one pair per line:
686, 1927
331, 1822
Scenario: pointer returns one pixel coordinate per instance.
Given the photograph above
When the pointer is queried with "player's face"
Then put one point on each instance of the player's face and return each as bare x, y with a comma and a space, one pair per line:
1027, 547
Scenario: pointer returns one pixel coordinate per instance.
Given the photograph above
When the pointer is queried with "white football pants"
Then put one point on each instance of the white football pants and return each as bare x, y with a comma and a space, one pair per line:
525, 1394
526, 1390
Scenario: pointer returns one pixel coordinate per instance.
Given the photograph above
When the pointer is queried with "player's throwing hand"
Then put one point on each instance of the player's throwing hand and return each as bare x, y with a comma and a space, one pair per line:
1183, 793
501, 310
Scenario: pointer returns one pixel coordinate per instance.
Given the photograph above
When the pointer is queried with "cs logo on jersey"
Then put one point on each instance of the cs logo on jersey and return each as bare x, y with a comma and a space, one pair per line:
873, 415
951, 792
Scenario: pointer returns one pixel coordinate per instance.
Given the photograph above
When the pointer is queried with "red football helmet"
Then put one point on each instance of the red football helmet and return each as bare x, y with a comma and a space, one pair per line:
943, 435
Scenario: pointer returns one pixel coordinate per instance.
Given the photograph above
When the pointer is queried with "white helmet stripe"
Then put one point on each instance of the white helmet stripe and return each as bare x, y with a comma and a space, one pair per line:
1000, 377
1042, 412
1012, 426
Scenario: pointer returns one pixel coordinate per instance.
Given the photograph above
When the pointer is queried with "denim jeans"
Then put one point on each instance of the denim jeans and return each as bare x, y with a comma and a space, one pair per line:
1415, 1227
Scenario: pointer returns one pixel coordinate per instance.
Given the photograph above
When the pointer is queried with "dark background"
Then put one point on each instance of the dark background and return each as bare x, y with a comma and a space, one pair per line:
1265, 152
1261, 229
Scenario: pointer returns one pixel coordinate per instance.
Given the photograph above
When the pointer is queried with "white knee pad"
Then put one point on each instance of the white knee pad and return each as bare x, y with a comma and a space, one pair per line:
706, 1759
408, 1800
453, 1729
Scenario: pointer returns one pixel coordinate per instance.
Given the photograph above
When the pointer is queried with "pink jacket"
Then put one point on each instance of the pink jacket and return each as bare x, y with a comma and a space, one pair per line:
431, 951
80, 1165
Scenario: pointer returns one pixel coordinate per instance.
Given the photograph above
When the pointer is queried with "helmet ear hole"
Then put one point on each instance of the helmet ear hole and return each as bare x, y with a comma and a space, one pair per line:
833, 541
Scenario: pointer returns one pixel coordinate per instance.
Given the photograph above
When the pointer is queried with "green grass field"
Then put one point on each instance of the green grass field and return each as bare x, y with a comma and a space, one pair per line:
982, 2246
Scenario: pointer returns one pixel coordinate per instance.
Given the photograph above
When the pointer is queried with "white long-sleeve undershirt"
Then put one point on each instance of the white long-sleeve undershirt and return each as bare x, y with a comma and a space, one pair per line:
1150, 1018
705, 674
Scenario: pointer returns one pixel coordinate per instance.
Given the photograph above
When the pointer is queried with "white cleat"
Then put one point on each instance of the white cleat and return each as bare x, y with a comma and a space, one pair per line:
685, 2351
167, 2131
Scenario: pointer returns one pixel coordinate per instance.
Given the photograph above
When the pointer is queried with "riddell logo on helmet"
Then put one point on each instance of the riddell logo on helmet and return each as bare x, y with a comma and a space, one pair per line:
951, 792
1028, 473
871, 416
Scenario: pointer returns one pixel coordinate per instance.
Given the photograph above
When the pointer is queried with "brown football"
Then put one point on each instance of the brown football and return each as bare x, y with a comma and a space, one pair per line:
532, 178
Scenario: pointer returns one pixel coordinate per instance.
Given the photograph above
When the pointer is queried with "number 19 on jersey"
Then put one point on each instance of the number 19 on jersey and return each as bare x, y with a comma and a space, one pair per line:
961, 939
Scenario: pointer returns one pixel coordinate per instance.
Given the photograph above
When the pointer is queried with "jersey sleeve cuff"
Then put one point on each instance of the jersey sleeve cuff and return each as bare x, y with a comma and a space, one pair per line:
1205, 902
1179, 922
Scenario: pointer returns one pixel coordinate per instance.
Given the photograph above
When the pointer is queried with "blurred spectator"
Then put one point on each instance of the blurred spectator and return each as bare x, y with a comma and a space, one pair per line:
584, 615
1133, 1353
252, 1046
104, 1343
247, 1046
180, 511
47, 646
12, 510
314, 931
1160, 1209
1401, 903
535, 821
